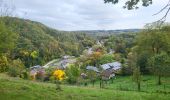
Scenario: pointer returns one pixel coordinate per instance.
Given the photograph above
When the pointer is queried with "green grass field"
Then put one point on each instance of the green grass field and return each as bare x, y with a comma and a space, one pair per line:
19, 89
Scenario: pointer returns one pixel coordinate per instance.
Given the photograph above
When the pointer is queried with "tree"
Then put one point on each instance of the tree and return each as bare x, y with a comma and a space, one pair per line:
94, 58
73, 73
7, 38
152, 43
132, 61
16, 68
160, 65
92, 75
6, 9
7, 43
106, 58
131, 4
34, 56
59, 75
3, 64
134, 4
137, 77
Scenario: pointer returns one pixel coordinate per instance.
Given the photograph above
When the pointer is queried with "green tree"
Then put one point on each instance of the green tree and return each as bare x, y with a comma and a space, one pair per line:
160, 65
137, 77
34, 56
7, 43
7, 38
72, 73
134, 4
106, 58
16, 68
131, 4
3, 64
92, 75
150, 45
132, 62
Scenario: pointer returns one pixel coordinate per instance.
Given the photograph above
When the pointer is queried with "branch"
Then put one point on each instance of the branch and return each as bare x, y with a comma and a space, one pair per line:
162, 9
163, 19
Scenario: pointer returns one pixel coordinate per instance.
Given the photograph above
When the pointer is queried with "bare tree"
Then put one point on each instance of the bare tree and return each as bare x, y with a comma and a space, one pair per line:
165, 9
6, 8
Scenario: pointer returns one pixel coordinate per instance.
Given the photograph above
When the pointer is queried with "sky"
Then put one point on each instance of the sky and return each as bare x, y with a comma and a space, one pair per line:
71, 15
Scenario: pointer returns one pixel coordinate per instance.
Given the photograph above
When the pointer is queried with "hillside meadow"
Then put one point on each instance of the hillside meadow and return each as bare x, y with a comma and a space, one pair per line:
19, 89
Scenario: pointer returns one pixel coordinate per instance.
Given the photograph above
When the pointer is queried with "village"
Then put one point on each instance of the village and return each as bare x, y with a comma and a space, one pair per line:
84, 50
104, 72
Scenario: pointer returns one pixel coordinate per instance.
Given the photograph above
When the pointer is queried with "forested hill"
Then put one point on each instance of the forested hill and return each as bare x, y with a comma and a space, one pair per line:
100, 33
38, 39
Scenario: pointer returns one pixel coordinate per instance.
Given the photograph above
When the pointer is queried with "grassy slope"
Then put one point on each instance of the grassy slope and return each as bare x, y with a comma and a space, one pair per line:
148, 84
18, 89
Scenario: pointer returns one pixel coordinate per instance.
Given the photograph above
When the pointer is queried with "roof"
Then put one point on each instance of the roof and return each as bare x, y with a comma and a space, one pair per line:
107, 74
36, 67
114, 65
92, 68
105, 66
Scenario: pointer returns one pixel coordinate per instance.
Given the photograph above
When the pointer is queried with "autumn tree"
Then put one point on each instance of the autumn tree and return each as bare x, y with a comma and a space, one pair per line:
59, 75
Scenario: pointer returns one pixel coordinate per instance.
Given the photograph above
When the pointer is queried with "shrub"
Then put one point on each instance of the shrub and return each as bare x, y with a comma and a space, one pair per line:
3, 64
25, 74
73, 73
16, 68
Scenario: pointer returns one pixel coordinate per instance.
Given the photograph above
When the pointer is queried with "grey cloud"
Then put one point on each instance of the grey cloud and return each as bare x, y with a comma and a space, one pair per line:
84, 14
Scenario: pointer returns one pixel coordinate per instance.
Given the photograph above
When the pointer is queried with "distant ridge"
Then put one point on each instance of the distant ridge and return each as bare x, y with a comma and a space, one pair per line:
96, 33
109, 31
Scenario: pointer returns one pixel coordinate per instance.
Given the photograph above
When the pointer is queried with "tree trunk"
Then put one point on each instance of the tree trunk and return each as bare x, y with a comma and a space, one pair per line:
58, 87
159, 80
112, 80
138, 86
93, 83
100, 84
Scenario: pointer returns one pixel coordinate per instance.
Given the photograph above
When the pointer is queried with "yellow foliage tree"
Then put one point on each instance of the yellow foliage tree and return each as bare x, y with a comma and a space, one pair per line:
59, 74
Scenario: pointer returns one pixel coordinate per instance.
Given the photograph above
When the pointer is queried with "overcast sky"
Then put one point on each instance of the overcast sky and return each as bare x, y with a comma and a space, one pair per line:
72, 15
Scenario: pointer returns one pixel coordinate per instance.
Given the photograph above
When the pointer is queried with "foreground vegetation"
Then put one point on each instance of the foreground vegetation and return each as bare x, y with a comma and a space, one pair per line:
19, 89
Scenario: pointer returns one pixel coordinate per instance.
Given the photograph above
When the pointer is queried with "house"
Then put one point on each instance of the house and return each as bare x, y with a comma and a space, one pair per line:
107, 74
109, 70
37, 72
66, 61
115, 66
92, 68
83, 75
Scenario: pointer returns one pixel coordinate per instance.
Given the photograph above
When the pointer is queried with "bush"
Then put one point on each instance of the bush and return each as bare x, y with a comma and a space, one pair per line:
12, 72
106, 58
16, 68
3, 64
25, 74
72, 73
126, 70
